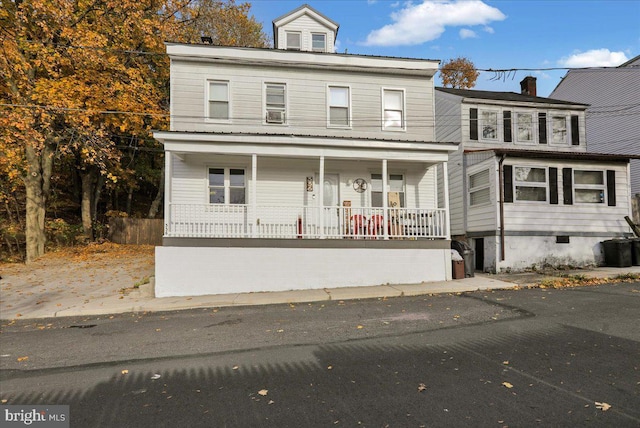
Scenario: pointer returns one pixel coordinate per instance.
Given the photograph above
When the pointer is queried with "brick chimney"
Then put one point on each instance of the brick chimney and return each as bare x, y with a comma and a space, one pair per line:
528, 86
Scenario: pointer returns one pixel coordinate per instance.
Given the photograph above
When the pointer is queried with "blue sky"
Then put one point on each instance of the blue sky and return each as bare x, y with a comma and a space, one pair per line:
493, 34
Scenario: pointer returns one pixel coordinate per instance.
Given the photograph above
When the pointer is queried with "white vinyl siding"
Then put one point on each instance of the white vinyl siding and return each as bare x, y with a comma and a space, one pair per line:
306, 26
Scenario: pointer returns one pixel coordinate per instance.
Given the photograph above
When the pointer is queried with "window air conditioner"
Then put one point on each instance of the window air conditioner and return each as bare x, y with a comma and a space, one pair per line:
275, 116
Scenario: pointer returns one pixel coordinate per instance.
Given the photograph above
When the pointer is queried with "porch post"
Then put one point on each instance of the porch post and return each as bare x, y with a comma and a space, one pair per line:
253, 198
385, 200
445, 180
321, 196
168, 173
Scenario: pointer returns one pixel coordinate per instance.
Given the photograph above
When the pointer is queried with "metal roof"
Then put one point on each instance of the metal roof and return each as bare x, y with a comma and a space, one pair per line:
503, 96
545, 154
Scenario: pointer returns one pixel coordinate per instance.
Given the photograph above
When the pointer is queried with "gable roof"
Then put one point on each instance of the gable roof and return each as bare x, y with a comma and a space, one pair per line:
299, 11
503, 96
633, 62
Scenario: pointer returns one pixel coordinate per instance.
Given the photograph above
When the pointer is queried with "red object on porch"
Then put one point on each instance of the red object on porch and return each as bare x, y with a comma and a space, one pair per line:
376, 225
358, 224
299, 227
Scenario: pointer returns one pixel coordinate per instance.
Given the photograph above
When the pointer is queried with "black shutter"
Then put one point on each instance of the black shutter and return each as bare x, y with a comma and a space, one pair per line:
507, 178
575, 131
473, 124
567, 185
506, 116
542, 128
553, 186
611, 188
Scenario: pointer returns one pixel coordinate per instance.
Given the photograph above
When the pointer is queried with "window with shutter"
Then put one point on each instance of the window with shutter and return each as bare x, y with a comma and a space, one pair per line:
506, 123
542, 128
473, 124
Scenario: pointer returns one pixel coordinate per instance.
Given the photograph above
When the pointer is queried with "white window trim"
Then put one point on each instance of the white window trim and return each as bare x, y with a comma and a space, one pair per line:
567, 128
324, 49
227, 185
264, 102
534, 128
389, 174
404, 109
349, 107
602, 187
207, 88
481, 122
531, 184
286, 40
476, 189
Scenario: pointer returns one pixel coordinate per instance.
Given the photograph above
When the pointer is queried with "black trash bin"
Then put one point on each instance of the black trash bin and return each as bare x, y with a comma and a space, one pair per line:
617, 252
468, 256
635, 251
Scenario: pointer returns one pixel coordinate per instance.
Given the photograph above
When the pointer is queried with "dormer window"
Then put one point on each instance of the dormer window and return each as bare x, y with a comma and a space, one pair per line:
319, 42
293, 41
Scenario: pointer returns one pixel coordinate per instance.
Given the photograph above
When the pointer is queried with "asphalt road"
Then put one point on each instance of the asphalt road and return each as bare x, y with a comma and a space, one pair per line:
518, 358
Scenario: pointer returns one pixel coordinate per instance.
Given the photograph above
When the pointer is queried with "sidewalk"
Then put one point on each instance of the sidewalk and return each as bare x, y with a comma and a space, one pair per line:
21, 299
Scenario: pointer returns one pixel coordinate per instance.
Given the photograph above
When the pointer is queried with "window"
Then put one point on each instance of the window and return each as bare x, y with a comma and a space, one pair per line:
218, 100
339, 106
293, 41
396, 187
275, 100
226, 186
558, 129
525, 127
479, 193
530, 184
318, 42
489, 125
589, 186
393, 102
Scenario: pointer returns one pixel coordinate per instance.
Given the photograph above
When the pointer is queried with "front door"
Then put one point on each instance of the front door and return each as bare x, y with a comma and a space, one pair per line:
331, 199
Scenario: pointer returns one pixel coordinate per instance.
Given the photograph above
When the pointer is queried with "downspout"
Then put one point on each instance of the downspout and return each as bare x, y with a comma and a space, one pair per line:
501, 186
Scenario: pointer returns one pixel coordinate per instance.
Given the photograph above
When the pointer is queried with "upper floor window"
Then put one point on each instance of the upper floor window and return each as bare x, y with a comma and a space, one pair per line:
479, 188
339, 106
319, 42
275, 102
524, 123
558, 129
489, 125
227, 186
589, 186
530, 184
218, 100
393, 105
294, 41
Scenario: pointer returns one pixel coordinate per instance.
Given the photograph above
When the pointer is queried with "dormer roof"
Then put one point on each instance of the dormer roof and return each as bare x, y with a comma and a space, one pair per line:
305, 9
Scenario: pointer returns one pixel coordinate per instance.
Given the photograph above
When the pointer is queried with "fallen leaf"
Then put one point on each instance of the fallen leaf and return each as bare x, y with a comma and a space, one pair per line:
271, 402
124, 371
235, 367
360, 327
506, 363
21, 359
4, 401
422, 387
280, 331
155, 376
602, 406
329, 367
263, 392
507, 385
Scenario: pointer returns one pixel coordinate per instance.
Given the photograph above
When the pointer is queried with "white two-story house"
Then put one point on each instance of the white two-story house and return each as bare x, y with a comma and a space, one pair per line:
300, 168
524, 191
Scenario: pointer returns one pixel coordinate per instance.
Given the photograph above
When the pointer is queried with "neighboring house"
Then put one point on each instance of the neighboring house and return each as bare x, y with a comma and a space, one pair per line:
613, 115
300, 168
524, 191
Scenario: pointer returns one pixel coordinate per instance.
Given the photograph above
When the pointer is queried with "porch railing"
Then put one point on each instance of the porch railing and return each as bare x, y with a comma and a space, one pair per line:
274, 221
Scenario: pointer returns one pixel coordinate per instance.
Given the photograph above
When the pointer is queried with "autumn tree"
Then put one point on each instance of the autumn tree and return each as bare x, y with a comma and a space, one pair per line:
79, 76
459, 73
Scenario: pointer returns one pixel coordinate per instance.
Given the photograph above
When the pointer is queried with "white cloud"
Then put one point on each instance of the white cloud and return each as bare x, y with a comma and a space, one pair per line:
465, 33
371, 1
419, 23
396, 4
594, 58
489, 30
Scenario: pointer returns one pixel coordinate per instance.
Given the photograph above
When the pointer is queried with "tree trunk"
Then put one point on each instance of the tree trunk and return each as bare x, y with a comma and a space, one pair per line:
155, 205
129, 200
87, 176
37, 185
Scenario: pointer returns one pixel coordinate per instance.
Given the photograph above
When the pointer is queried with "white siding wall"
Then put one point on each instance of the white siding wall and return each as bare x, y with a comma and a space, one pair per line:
306, 26
482, 218
457, 193
307, 101
283, 181
576, 218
